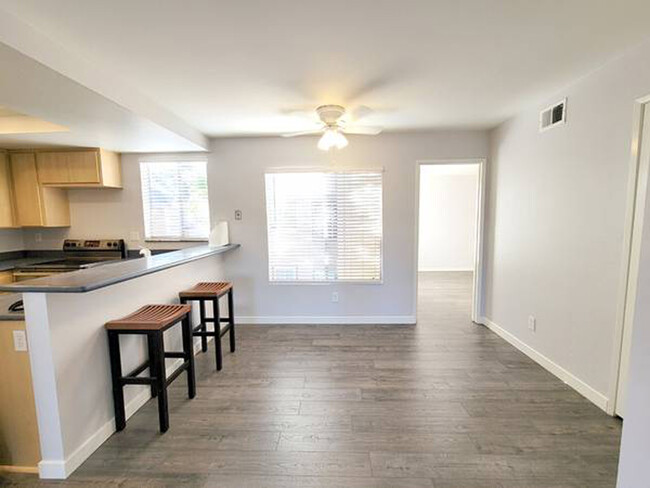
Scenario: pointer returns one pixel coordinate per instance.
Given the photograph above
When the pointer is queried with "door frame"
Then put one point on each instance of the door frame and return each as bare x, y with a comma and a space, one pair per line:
632, 233
477, 288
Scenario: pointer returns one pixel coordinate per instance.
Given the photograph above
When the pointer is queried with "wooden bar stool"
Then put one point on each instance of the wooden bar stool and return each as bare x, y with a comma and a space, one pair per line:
213, 291
152, 321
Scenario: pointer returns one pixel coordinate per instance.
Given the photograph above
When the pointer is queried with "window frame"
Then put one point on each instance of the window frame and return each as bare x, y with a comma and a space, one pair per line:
164, 159
316, 169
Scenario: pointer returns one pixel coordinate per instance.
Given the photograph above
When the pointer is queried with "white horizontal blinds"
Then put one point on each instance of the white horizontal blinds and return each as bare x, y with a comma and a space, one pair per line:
324, 226
175, 200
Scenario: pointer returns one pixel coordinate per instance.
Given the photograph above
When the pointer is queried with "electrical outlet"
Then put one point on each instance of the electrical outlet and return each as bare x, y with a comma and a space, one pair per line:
335, 297
134, 236
532, 323
238, 215
38, 237
20, 340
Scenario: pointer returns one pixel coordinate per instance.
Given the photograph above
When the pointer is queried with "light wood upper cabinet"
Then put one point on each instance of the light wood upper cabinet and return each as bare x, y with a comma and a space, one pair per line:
7, 201
36, 205
92, 168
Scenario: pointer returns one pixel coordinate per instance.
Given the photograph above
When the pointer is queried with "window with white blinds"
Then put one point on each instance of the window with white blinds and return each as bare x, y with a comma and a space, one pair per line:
324, 226
175, 200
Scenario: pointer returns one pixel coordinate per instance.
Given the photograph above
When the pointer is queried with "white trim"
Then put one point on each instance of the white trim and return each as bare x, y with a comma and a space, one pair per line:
171, 157
327, 319
477, 288
62, 469
326, 168
597, 398
425, 270
627, 292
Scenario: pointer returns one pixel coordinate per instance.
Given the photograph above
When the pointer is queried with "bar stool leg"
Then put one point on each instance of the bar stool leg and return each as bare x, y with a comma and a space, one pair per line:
231, 320
188, 349
152, 365
116, 375
163, 412
217, 333
204, 326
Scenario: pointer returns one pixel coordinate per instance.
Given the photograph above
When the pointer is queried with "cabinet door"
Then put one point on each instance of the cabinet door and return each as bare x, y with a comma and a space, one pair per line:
84, 167
74, 167
36, 206
7, 209
28, 196
20, 446
52, 167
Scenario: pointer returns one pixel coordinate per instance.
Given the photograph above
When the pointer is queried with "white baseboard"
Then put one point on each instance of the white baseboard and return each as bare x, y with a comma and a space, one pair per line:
63, 469
59, 470
327, 319
574, 382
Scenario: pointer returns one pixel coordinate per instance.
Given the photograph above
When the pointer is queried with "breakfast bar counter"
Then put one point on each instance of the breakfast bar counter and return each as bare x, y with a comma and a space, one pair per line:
109, 274
68, 348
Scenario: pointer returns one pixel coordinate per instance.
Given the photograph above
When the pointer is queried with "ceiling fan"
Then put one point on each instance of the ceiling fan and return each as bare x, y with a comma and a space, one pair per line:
334, 127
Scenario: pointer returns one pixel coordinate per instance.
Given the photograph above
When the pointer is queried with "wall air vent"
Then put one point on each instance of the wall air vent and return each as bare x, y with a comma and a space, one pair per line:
552, 116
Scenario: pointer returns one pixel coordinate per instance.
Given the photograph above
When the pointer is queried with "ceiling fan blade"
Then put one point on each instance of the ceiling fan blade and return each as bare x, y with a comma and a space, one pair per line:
302, 133
365, 130
359, 112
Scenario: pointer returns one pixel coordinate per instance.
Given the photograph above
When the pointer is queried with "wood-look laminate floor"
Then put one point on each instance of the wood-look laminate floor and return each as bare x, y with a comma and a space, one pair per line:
444, 404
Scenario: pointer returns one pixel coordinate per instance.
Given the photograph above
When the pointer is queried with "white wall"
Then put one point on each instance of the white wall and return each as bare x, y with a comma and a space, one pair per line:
236, 181
555, 223
447, 217
11, 240
237, 169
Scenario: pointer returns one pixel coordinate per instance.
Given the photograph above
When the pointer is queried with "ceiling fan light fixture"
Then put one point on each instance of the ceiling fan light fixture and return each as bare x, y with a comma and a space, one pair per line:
332, 138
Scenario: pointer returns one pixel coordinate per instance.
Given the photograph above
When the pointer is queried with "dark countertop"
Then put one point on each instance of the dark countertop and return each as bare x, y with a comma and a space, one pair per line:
17, 259
5, 301
109, 274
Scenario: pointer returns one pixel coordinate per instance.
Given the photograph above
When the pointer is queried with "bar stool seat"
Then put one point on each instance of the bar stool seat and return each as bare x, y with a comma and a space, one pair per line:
150, 317
151, 321
207, 290
212, 291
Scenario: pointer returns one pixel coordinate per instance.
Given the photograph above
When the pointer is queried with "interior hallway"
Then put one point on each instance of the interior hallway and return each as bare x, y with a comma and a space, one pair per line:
445, 404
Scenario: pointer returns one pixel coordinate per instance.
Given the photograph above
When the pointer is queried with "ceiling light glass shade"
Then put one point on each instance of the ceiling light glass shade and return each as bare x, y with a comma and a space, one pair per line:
332, 138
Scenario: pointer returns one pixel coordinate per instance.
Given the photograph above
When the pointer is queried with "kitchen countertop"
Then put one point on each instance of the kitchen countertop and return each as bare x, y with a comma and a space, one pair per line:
5, 301
9, 264
109, 274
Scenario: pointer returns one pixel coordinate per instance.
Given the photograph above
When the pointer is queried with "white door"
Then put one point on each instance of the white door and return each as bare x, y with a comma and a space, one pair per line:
633, 269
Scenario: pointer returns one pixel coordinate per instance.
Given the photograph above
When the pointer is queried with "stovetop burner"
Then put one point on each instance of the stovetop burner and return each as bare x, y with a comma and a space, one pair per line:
81, 254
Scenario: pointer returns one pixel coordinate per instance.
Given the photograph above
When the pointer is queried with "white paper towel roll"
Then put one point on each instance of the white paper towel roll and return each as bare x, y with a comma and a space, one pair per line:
219, 235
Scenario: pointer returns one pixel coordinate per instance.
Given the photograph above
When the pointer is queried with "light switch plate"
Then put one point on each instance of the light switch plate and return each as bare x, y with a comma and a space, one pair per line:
20, 340
238, 215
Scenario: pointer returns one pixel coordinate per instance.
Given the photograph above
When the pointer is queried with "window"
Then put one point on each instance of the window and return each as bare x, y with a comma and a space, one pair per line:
324, 226
175, 201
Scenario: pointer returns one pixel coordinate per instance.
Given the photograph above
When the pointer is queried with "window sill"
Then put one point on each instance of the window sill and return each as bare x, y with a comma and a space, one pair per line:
321, 283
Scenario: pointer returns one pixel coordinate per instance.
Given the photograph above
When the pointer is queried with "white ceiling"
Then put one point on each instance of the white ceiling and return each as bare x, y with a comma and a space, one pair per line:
238, 67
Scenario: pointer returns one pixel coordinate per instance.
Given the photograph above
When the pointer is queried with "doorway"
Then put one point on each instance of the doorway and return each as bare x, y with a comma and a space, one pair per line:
638, 184
449, 234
